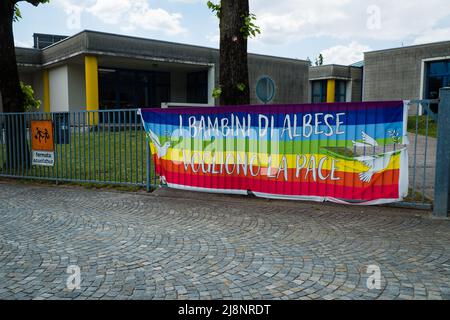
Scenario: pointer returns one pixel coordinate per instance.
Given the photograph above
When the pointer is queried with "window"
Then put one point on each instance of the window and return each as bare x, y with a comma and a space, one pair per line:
123, 89
341, 91
197, 87
438, 76
265, 89
319, 91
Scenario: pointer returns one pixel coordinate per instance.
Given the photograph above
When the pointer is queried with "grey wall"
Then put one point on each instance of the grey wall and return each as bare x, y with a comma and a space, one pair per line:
331, 71
290, 77
356, 74
77, 87
59, 89
396, 74
38, 87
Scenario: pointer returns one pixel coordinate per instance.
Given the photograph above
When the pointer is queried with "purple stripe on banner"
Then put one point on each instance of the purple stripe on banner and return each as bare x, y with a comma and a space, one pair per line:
282, 108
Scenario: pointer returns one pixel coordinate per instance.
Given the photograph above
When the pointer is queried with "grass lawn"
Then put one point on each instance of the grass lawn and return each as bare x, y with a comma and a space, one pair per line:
102, 156
417, 197
422, 121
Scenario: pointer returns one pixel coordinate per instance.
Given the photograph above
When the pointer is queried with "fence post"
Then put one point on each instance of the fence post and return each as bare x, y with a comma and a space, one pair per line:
442, 181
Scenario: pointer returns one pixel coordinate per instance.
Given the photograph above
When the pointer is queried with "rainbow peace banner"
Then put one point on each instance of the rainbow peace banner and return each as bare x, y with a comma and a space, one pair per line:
351, 153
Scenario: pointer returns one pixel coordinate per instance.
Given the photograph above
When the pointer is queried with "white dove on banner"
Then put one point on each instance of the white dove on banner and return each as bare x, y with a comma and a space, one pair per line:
376, 163
368, 141
161, 150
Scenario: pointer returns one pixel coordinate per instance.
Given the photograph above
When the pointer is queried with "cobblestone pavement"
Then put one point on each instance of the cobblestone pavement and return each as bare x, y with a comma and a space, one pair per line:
174, 245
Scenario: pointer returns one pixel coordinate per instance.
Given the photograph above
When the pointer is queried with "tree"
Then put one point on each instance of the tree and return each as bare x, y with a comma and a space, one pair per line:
13, 97
236, 26
319, 60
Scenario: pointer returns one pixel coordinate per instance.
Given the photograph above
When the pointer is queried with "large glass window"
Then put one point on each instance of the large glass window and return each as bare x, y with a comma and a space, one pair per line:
438, 76
341, 91
319, 91
123, 89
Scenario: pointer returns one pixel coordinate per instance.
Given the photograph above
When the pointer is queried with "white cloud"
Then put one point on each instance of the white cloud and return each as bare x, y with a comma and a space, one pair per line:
284, 21
128, 14
189, 1
213, 38
23, 44
434, 35
345, 55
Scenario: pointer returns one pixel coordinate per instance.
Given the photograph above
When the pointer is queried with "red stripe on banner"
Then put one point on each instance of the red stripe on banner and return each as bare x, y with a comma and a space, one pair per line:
347, 179
370, 192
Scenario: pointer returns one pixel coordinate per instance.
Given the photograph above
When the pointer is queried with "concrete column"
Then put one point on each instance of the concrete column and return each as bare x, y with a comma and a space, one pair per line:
331, 90
92, 99
46, 89
442, 182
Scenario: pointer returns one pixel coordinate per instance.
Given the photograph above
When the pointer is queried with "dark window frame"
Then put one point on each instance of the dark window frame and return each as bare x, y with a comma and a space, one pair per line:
323, 91
340, 96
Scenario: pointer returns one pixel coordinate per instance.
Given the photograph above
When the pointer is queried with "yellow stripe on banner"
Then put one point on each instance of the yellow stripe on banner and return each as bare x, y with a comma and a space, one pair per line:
261, 159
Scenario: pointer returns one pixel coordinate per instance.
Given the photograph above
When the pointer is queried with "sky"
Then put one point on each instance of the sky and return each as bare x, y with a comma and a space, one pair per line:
339, 29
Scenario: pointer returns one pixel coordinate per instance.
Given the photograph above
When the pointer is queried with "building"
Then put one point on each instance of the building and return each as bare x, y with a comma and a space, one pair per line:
335, 83
95, 70
407, 73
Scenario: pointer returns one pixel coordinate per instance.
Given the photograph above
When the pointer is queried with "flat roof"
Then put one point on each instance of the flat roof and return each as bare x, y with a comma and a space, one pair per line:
437, 43
60, 44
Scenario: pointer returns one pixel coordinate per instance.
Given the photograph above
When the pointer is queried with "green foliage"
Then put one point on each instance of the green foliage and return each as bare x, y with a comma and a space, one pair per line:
240, 86
309, 61
217, 92
250, 29
421, 123
18, 14
30, 103
216, 8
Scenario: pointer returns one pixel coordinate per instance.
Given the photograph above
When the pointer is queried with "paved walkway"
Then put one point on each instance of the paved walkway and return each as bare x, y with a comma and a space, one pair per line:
174, 245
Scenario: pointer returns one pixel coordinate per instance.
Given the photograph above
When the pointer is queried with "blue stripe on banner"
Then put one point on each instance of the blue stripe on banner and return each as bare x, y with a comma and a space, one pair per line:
368, 116
376, 131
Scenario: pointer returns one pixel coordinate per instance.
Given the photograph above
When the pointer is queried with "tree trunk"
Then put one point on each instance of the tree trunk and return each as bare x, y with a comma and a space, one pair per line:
233, 53
9, 76
17, 151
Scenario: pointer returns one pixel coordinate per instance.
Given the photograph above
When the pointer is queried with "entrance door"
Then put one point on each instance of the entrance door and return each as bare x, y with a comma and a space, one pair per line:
438, 76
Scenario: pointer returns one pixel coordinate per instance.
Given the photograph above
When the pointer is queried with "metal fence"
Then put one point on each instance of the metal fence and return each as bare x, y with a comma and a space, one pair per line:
110, 147
101, 147
422, 127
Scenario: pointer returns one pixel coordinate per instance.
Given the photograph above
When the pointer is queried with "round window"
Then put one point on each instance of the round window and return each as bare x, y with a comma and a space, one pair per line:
265, 89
